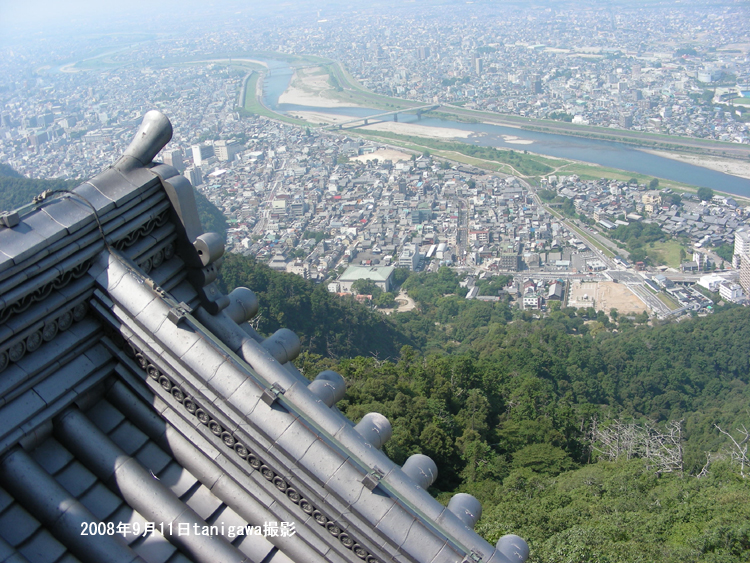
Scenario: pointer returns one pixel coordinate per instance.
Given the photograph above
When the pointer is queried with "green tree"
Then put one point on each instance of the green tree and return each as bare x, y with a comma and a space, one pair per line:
705, 194
386, 300
543, 458
366, 287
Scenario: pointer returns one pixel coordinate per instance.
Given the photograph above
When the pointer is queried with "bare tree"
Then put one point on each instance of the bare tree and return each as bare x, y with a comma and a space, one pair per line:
660, 447
738, 451
256, 320
710, 458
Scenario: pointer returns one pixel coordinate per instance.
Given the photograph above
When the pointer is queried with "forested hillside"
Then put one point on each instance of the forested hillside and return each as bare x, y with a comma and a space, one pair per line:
506, 403
16, 191
328, 325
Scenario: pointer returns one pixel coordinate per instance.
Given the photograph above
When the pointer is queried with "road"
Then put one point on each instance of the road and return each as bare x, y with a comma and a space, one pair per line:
260, 226
571, 227
604, 241
462, 235
651, 300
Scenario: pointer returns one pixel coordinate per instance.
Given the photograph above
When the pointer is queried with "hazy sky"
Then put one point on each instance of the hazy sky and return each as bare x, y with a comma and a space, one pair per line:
21, 17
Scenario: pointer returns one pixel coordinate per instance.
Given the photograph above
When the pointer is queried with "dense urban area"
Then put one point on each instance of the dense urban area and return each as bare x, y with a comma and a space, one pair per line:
571, 348
335, 208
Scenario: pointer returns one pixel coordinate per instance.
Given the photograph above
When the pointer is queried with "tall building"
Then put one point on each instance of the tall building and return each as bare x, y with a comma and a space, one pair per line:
201, 153
509, 262
477, 63
194, 176
745, 272
226, 150
742, 241
741, 257
409, 257
174, 158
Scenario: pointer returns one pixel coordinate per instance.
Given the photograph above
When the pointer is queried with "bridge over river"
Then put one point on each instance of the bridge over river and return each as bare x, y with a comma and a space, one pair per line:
362, 121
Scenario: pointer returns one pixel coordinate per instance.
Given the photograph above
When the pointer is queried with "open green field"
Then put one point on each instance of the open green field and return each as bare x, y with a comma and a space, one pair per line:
667, 253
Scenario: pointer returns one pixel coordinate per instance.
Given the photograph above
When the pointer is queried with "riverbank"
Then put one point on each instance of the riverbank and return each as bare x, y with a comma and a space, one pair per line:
733, 167
324, 86
312, 87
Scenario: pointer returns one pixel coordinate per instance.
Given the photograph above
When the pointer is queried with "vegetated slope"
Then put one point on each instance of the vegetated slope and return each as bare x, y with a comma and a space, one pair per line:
327, 324
621, 513
211, 218
506, 417
17, 190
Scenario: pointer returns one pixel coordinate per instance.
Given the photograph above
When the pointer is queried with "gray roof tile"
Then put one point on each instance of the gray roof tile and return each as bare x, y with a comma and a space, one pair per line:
20, 242
154, 548
42, 548
153, 458
127, 515
128, 437
203, 502
17, 525
70, 213
76, 479
45, 226
178, 558
105, 416
5, 499
19, 411
100, 501
52, 456
101, 202
256, 548
64, 379
113, 185
179, 480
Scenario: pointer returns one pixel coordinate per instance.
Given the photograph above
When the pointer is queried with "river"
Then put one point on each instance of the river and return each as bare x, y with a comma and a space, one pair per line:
603, 153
